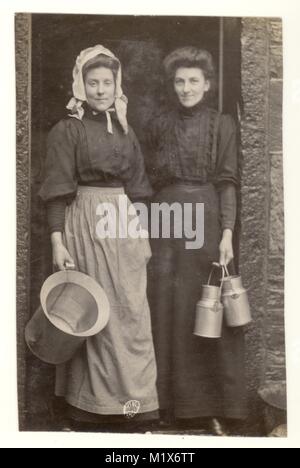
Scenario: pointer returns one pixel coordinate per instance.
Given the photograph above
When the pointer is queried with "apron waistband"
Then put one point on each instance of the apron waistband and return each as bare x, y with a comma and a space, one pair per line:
107, 190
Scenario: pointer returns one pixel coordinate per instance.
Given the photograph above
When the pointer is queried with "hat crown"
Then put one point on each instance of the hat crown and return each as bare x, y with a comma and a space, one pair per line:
75, 303
72, 308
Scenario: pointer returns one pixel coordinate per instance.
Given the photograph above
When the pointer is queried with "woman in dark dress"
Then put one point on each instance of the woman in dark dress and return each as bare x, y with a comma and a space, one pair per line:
192, 158
94, 160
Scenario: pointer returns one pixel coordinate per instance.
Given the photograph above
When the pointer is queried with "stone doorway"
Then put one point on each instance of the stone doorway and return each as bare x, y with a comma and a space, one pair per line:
249, 51
56, 41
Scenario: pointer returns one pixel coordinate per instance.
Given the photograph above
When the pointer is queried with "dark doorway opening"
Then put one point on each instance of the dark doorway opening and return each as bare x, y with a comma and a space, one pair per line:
141, 43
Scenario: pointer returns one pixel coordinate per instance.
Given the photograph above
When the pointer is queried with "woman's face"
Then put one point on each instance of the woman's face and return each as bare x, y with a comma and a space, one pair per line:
190, 86
100, 88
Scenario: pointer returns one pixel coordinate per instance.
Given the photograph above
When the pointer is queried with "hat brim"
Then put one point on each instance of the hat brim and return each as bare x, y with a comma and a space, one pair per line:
91, 285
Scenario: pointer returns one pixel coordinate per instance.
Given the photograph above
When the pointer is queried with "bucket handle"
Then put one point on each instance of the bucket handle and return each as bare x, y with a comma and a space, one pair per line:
216, 265
226, 270
235, 295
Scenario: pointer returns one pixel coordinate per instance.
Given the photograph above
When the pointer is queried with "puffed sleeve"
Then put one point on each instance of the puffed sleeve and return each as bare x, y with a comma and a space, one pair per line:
227, 171
138, 187
60, 168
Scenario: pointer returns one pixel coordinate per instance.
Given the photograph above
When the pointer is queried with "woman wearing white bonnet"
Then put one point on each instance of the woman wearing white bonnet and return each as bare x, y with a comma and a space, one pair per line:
93, 157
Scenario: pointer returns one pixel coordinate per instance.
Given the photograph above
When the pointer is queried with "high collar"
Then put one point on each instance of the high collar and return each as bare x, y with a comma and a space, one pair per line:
189, 112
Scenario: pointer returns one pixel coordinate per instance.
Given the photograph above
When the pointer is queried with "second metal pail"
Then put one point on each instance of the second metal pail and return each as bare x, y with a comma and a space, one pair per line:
235, 300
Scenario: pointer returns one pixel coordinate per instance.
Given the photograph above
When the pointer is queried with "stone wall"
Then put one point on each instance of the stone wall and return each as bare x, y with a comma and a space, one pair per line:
261, 256
275, 374
23, 64
262, 232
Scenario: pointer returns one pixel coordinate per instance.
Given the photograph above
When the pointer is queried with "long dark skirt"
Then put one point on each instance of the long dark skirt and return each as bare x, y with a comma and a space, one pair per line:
197, 377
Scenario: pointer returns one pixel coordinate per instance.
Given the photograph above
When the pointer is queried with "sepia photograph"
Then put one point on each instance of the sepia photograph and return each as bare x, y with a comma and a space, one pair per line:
150, 225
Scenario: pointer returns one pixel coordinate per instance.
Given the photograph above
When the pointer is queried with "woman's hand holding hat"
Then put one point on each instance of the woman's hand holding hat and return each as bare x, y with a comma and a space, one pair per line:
62, 260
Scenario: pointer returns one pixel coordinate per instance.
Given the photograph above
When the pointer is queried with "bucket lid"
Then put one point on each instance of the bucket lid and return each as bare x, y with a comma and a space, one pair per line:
232, 292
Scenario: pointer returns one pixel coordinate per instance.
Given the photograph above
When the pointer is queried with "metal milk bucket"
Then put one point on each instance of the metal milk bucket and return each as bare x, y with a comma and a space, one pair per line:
235, 300
209, 312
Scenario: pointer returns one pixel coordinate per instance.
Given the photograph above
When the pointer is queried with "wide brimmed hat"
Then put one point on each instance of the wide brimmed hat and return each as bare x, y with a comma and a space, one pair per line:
73, 307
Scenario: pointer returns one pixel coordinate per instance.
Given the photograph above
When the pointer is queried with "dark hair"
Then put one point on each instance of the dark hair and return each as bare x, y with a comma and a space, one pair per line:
101, 60
191, 57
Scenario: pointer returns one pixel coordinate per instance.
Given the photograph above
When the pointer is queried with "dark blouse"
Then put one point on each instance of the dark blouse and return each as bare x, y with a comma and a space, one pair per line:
83, 152
195, 145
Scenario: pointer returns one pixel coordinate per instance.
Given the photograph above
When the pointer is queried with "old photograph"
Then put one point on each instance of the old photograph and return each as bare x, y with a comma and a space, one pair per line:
150, 230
